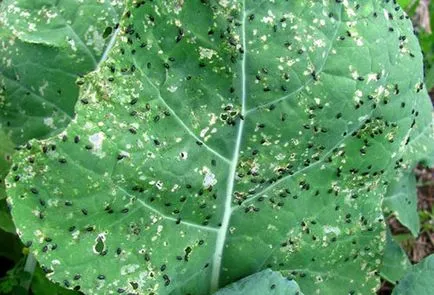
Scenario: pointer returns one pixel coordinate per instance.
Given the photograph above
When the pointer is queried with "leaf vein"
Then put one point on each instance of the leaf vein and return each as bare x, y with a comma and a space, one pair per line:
309, 81
144, 204
339, 143
189, 131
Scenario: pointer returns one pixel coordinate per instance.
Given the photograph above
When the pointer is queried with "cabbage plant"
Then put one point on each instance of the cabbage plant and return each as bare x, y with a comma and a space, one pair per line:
229, 139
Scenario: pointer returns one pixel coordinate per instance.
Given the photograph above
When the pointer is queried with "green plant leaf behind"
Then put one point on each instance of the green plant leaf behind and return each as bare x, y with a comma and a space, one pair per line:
427, 43
221, 138
401, 201
264, 282
41, 285
430, 75
6, 150
44, 47
6, 222
401, 196
405, 3
395, 261
10, 282
11, 246
418, 280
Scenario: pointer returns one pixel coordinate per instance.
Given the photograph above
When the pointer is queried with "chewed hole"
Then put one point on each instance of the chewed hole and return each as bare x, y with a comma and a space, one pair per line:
183, 155
99, 246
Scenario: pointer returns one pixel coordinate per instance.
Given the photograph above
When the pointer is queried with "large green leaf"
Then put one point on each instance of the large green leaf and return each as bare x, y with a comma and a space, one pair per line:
419, 280
264, 282
221, 138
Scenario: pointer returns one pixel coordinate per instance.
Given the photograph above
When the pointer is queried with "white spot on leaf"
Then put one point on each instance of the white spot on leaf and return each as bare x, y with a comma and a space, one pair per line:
206, 53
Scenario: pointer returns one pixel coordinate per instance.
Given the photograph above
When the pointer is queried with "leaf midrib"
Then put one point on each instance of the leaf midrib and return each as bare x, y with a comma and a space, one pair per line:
227, 212
228, 209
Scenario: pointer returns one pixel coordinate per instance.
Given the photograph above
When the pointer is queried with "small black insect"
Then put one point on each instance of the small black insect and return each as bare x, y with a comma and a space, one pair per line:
180, 35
